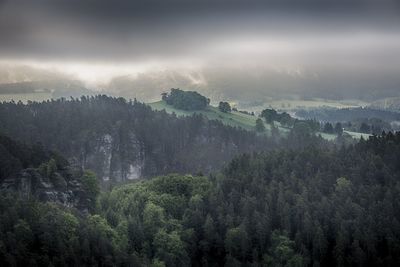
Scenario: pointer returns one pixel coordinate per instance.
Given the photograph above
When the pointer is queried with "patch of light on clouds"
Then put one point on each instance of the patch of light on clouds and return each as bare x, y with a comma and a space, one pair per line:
286, 54
101, 73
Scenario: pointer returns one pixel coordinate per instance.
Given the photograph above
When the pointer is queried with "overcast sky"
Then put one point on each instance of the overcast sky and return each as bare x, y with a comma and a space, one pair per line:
173, 33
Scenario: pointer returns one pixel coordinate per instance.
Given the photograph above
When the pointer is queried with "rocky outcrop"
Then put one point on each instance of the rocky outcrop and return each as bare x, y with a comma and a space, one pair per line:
34, 172
113, 157
29, 183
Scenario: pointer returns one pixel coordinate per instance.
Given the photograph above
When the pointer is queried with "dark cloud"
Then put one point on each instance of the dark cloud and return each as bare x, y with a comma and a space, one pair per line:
153, 29
354, 42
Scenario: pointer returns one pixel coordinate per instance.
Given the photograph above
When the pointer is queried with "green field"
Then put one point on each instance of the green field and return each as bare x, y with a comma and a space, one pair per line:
289, 105
326, 136
357, 135
234, 118
238, 119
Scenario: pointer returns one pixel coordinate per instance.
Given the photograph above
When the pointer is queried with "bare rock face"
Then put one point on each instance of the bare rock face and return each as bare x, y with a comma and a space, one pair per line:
113, 157
29, 183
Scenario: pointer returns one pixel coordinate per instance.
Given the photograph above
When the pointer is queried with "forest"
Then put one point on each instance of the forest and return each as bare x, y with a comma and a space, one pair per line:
208, 194
365, 120
348, 114
310, 207
122, 140
186, 100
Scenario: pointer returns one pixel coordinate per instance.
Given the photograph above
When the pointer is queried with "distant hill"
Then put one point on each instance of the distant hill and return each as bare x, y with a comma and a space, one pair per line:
18, 73
391, 103
348, 114
42, 90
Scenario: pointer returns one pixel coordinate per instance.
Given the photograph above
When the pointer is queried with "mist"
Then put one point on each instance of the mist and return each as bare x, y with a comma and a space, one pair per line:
339, 49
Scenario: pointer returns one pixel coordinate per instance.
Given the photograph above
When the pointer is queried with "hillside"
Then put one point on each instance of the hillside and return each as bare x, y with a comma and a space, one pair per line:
277, 208
121, 140
238, 119
233, 118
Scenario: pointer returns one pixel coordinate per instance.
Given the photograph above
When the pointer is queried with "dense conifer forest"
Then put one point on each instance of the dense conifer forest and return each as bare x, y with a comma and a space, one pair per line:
310, 207
236, 198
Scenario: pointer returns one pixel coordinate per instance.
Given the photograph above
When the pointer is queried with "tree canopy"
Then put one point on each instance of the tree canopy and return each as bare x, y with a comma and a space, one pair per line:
186, 100
308, 203
224, 107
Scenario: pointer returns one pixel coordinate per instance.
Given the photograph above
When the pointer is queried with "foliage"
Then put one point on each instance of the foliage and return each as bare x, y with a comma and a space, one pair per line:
271, 115
186, 100
310, 207
235, 118
91, 130
157, 212
91, 186
328, 128
309, 125
37, 234
260, 125
338, 128
224, 107
348, 114
282, 251
364, 120
34, 171
15, 156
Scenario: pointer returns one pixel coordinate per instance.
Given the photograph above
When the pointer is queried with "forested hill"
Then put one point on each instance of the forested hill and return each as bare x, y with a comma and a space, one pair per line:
348, 114
312, 207
307, 207
336, 207
123, 140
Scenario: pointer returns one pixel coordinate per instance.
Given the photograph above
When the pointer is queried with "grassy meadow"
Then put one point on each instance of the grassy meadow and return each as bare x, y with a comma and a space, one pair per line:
238, 119
234, 118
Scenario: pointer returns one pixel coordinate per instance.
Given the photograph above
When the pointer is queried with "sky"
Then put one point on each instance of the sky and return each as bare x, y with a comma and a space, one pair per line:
101, 39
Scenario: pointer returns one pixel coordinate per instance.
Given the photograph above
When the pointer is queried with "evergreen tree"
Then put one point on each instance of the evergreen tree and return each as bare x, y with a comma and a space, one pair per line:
224, 107
260, 125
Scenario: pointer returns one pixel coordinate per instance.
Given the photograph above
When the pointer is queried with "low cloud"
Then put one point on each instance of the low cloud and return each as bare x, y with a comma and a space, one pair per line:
104, 39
